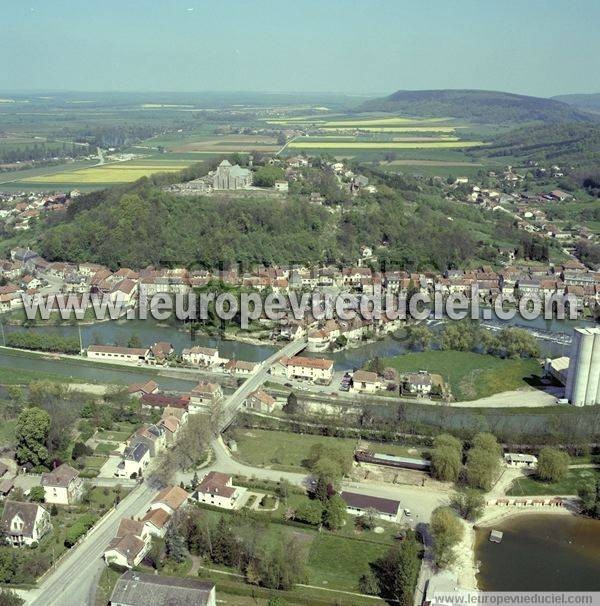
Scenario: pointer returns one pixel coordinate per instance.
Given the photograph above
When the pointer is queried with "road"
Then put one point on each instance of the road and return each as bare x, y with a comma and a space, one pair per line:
73, 581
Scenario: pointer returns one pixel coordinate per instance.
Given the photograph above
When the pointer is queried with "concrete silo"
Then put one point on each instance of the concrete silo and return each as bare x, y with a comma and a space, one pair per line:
584, 367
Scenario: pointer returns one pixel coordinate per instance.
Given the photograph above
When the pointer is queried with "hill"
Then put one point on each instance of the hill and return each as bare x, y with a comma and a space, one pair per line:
574, 144
589, 102
476, 106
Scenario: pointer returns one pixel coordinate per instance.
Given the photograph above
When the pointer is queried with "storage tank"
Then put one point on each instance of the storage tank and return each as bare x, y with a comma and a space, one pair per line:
583, 345
591, 394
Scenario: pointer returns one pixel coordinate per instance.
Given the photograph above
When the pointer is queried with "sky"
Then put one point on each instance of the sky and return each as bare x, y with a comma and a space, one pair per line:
536, 47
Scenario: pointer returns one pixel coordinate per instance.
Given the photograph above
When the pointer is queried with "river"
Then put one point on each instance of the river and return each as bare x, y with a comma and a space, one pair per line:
545, 552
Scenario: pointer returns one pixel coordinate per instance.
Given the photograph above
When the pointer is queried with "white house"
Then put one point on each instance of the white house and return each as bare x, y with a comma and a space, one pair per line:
217, 489
419, 383
119, 354
62, 485
364, 381
170, 499
261, 401
135, 459
202, 356
317, 370
24, 523
517, 459
130, 545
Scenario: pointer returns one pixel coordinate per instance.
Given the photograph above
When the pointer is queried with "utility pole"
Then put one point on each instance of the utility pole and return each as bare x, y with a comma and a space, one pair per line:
3, 336
80, 340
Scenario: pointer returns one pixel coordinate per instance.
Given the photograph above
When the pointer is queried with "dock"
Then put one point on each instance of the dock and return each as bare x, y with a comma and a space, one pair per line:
496, 536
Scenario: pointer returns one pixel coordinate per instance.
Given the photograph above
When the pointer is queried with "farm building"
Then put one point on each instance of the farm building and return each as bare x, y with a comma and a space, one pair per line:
363, 456
359, 504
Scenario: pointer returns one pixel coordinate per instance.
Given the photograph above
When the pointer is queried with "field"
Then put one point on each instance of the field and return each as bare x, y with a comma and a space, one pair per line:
568, 486
288, 451
359, 145
470, 375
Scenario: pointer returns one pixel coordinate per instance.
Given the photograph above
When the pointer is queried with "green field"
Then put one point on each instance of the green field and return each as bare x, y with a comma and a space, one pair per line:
360, 145
531, 486
470, 375
288, 451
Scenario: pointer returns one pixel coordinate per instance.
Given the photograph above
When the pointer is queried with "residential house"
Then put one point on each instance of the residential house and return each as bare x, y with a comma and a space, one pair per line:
62, 485
217, 489
24, 523
517, 459
135, 459
156, 522
160, 351
418, 383
364, 381
140, 589
204, 396
170, 499
261, 401
240, 367
317, 370
153, 436
201, 356
359, 504
130, 546
137, 390
160, 401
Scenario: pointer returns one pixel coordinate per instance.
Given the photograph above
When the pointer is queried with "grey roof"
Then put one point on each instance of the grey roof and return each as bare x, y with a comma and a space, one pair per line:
138, 589
136, 453
363, 501
26, 511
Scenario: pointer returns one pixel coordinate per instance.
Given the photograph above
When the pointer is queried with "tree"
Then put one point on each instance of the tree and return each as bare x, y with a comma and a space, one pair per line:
80, 449
446, 458
309, 512
418, 337
291, 405
134, 341
31, 433
335, 514
446, 531
368, 584
468, 503
487, 441
9, 598
482, 468
174, 544
397, 571
267, 175
553, 464
36, 494
589, 493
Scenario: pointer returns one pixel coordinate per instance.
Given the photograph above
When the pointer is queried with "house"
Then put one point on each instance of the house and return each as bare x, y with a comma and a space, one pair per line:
419, 383
202, 356
139, 589
119, 354
261, 401
24, 523
231, 177
171, 426
135, 459
130, 545
217, 489
62, 485
137, 390
317, 370
282, 186
365, 382
153, 436
240, 367
156, 522
160, 401
359, 504
170, 499
160, 351
204, 395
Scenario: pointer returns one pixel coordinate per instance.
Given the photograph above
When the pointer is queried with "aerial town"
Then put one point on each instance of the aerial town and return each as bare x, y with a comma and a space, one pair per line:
265, 344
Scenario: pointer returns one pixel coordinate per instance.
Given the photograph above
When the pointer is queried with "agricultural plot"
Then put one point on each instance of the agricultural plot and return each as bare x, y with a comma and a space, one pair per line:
121, 172
382, 145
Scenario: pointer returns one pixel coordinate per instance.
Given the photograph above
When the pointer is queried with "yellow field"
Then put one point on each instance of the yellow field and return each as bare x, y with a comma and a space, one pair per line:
383, 144
357, 122
111, 173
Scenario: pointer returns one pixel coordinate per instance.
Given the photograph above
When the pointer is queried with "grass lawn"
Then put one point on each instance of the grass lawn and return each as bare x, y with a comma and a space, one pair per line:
7, 432
106, 584
284, 450
93, 464
470, 375
568, 486
105, 448
113, 435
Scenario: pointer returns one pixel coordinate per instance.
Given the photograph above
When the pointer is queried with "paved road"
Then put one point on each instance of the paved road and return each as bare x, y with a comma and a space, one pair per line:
72, 583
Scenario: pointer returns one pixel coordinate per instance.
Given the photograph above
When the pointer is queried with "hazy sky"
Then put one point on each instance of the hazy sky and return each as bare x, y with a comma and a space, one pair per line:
538, 47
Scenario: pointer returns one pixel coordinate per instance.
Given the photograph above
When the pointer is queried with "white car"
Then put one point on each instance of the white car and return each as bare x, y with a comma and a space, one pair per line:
407, 513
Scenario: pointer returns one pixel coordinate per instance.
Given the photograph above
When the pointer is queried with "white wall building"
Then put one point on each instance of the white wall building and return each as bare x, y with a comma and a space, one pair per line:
583, 380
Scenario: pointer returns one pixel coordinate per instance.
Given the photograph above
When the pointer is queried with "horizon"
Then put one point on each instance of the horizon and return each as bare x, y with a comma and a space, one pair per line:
191, 45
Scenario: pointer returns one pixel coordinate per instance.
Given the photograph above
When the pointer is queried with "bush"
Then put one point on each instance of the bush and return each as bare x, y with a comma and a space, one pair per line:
81, 526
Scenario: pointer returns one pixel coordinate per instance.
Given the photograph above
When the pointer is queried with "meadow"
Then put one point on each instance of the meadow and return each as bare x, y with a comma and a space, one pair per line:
358, 145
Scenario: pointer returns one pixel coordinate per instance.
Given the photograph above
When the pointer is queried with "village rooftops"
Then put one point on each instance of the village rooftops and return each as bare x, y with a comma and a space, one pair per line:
157, 517
159, 400
139, 589
146, 388
205, 388
61, 477
130, 526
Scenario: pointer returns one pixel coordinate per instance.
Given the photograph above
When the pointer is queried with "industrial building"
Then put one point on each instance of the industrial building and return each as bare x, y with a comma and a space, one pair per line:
583, 380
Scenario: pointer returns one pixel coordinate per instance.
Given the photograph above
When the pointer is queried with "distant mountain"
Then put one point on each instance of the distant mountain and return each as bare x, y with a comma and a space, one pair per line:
476, 105
589, 102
